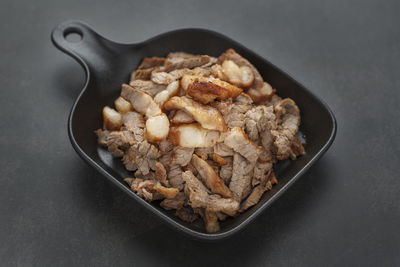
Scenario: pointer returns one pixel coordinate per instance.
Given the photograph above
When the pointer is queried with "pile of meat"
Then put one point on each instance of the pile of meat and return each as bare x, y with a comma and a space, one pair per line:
201, 134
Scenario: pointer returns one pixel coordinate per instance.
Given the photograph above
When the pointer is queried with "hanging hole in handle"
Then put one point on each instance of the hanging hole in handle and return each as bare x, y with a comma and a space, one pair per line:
73, 35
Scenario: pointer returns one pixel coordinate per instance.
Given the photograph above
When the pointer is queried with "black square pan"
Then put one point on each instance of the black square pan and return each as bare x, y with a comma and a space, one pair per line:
108, 64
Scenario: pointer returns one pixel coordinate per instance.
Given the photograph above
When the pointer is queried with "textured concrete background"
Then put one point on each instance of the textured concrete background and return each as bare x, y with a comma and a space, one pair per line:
57, 211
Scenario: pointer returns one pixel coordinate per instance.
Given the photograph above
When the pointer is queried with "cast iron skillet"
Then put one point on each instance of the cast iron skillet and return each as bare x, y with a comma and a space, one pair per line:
108, 65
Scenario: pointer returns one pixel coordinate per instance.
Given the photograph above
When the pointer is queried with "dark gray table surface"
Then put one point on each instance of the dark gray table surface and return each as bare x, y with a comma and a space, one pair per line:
345, 211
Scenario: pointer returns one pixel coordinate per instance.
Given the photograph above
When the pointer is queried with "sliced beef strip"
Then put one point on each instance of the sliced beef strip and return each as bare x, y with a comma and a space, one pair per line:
185, 62
181, 155
235, 115
176, 203
141, 156
148, 87
150, 62
187, 214
260, 169
296, 148
141, 74
265, 126
199, 197
210, 219
119, 141
165, 146
258, 191
167, 192
102, 136
231, 54
143, 188
239, 142
226, 171
240, 183
175, 176
288, 121
161, 174
134, 122
204, 152
210, 178
221, 216
223, 150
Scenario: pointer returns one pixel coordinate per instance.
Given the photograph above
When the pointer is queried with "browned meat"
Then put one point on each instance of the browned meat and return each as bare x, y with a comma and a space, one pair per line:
119, 141
162, 77
141, 101
134, 122
238, 141
181, 155
161, 174
210, 221
167, 192
221, 216
259, 172
187, 214
231, 54
258, 191
165, 146
223, 106
102, 136
226, 171
210, 178
223, 150
175, 176
199, 197
146, 86
141, 156
235, 117
150, 62
175, 203
240, 183
297, 148
185, 62
190, 167
141, 74
207, 116
218, 159
143, 188
203, 152
288, 120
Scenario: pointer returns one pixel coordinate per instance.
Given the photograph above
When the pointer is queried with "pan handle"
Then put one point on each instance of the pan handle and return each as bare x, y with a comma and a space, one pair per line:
89, 48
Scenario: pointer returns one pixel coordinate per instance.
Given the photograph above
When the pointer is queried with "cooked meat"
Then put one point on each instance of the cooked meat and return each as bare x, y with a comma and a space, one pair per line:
201, 134
141, 102
146, 86
206, 89
181, 155
231, 54
297, 148
185, 62
162, 77
199, 197
192, 135
141, 74
175, 203
102, 136
187, 214
141, 156
112, 119
218, 159
134, 122
207, 116
240, 183
165, 146
167, 192
210, 219
182, 117
210, 178
143, 188
204, 152
171, 90
226, 171
235, 117
238, 141
119, 141
150, 62
258, 191
161, 174
223, 150
288, 120
260, 169
175, 176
